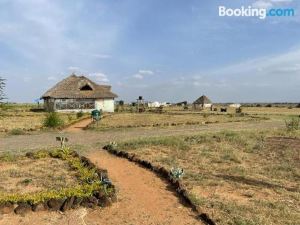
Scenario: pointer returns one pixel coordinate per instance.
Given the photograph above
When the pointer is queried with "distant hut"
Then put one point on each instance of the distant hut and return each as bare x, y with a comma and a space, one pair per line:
202, 102
235, 105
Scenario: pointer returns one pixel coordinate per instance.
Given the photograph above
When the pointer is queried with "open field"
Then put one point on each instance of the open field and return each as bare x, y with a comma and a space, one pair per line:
237, 169
128, 120
237, 177
20, 118
174, 115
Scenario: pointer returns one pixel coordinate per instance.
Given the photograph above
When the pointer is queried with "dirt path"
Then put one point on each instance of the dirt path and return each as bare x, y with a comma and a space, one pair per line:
78, 126
143, 198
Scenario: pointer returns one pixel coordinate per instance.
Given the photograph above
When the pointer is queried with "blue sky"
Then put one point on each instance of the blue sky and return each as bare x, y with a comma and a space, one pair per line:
169, 50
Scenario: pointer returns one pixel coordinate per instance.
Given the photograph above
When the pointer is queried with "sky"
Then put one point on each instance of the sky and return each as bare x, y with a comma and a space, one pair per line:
171, 50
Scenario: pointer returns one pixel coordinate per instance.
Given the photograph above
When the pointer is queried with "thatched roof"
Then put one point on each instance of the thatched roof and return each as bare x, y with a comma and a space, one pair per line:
79, 87
202, 100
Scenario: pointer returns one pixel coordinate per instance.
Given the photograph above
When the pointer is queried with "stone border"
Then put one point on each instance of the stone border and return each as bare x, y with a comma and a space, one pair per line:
97, 199
164, 173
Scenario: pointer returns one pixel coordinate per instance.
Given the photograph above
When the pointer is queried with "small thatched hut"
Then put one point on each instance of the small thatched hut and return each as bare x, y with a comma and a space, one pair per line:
78, 93
202, 102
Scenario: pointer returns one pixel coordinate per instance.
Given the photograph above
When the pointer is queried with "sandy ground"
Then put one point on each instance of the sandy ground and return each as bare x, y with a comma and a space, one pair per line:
89, 140
78, 126
143, 198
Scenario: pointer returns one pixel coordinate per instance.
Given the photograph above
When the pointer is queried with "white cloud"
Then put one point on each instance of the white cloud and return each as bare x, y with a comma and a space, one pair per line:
138, 76
73, 68
101, 56
99, 77
98, 56
52, 78
27, 79
142, 73
269, 3
146, 72
262, 4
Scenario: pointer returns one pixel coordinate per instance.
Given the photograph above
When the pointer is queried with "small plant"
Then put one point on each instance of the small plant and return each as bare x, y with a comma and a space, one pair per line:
70, 118
112, 145
53, 120
79, 114
292, 124
17, 131
176, 173
26, 181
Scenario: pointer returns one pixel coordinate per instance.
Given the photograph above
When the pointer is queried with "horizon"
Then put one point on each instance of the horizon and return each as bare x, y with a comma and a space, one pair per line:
169, 51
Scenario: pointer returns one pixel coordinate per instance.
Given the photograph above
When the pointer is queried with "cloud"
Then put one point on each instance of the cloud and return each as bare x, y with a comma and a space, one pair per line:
51, 78
99, 77
27, 79
98, 56
74, 68
269, 3
138, 76
142, 73
146, 72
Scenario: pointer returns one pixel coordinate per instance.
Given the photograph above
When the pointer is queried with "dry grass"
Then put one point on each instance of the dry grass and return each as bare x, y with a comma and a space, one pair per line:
238, 178
123, 120
21, 118
34, 175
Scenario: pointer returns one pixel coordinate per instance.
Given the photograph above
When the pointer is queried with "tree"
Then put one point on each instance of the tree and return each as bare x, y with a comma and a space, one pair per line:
2, 86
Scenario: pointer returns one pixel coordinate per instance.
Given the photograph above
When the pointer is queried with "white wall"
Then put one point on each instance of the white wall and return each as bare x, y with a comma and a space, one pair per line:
207, 105
107, 105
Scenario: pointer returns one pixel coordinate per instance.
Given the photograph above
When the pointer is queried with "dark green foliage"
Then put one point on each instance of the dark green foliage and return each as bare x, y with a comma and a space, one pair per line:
53, 120
79, 114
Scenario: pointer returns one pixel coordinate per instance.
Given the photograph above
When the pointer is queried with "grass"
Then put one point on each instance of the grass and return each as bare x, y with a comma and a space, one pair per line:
18, 119
53, 120
127, 120
46, 175
236, 177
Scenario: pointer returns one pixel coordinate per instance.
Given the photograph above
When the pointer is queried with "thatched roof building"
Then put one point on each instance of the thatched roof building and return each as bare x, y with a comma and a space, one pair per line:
79, 93
202, 102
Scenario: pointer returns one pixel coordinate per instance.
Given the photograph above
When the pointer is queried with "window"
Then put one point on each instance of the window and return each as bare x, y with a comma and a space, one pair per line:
86, 88
75, 104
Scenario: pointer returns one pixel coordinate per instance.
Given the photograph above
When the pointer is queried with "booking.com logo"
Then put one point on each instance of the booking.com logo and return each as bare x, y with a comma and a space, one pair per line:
256, 12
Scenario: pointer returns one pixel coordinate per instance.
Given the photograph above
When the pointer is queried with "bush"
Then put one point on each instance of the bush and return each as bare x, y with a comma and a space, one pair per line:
53, 120
298, 106
292, 124
17, 131
79, 114
269, 105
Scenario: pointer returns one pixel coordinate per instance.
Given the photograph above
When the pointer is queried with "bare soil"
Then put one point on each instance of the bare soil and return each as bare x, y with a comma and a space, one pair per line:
79, 125
143, 198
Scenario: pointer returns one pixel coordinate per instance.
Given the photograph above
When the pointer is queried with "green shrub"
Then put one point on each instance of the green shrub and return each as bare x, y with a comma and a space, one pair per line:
53, 120
17, 131
292, 124
70, 118
79, 114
